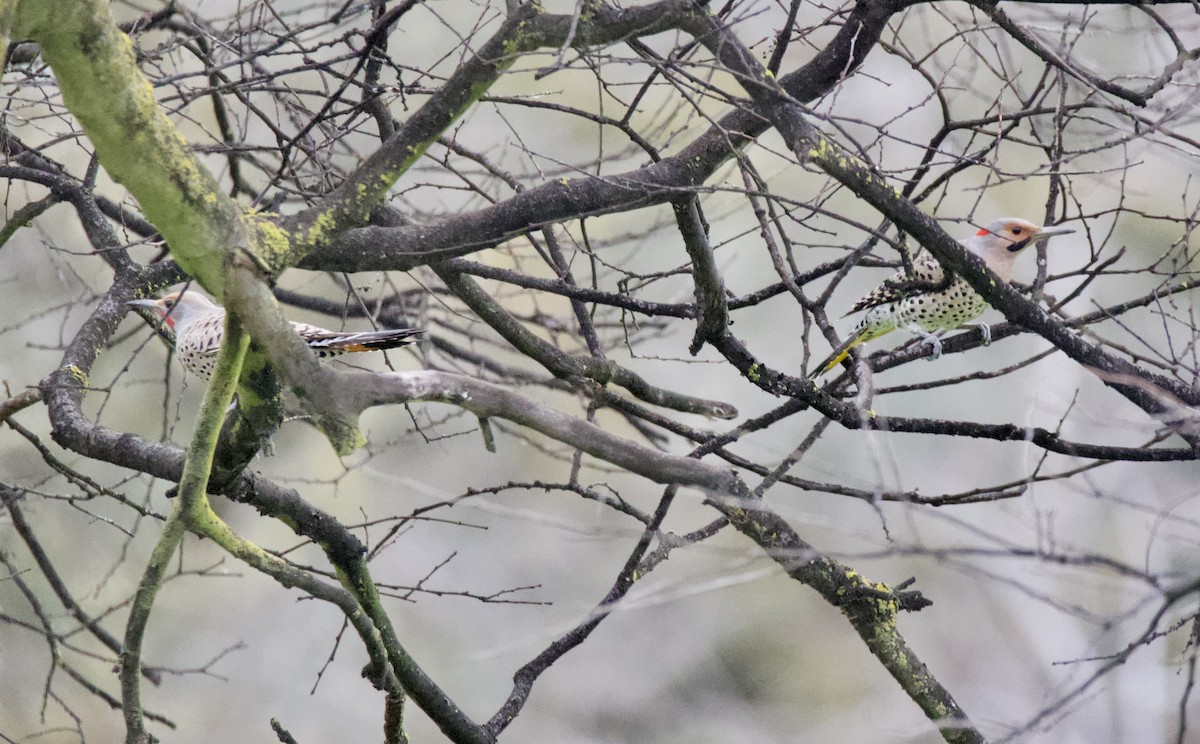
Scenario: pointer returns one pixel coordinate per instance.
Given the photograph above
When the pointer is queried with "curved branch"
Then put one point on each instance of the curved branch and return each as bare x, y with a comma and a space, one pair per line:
405, 247
712, 307
486, 400
871, 608
568, 367
525, 30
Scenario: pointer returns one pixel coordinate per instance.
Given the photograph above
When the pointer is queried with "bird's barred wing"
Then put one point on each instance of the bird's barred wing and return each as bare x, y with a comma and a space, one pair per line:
926, 270
338, 342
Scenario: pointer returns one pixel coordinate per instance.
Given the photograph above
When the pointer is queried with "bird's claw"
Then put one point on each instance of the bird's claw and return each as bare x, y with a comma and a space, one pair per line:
935, 343
986, 331
935, 346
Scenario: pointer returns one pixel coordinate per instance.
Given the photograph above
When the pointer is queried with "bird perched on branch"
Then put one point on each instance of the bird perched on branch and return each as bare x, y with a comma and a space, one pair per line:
929, 301
199, 325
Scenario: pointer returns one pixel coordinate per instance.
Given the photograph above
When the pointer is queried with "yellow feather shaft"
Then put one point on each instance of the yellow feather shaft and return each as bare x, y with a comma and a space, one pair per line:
861, 336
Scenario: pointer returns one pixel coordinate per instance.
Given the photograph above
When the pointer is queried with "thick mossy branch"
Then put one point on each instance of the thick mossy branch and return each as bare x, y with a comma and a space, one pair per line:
204, 521
315, 386
451, 719
251, 423
63, 392
196, 469
97, 72
135, 628
361, 605
871, 608
192, 499
391, 667
206, 231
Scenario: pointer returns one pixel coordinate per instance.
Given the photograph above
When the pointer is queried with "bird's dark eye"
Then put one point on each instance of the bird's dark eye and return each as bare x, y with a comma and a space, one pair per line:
1017, 230
169, 304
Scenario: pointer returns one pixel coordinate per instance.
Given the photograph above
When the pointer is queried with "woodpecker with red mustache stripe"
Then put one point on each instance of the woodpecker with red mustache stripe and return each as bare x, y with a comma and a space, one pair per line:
922, 311
199, 326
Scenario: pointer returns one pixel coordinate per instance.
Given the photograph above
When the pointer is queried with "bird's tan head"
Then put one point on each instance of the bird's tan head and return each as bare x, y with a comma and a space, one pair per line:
178, 308
1004, 239
1013, 234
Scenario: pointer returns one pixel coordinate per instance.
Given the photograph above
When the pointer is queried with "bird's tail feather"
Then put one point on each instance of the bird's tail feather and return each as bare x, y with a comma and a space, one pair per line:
859, 336
366, 341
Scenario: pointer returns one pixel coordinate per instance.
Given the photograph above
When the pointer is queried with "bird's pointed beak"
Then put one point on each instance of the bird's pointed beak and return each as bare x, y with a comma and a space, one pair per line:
148, 304
1047, 232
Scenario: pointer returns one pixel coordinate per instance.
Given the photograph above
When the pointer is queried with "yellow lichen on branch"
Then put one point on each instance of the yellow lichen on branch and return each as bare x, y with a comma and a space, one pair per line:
138, 145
